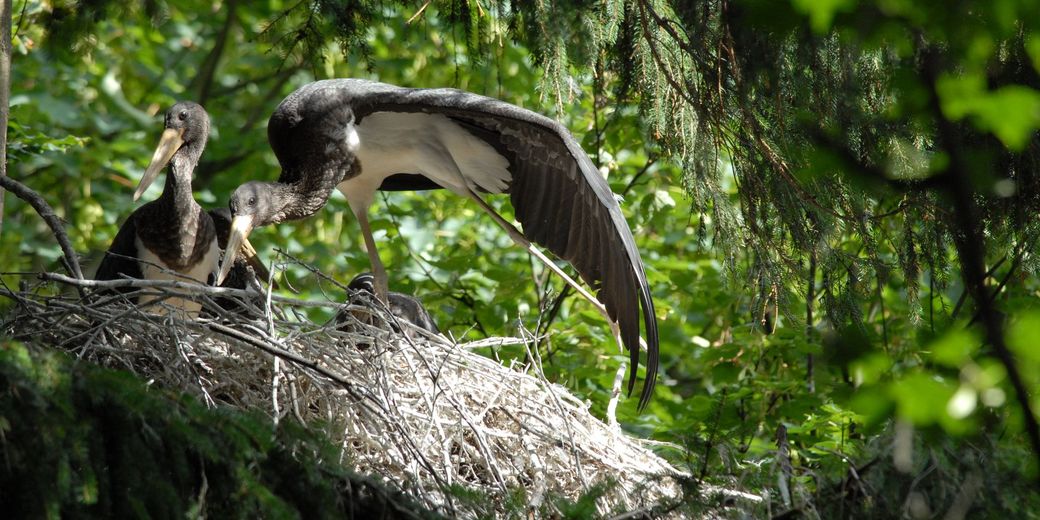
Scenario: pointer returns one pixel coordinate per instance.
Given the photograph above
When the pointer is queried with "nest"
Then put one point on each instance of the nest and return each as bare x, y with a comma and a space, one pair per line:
425, 413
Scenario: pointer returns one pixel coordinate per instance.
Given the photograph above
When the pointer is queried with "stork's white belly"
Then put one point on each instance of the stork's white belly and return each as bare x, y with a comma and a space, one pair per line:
427, 144
153, 268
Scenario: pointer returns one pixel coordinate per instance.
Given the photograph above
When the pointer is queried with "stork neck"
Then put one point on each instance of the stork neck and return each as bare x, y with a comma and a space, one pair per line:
309, 198
296, 200
177, 191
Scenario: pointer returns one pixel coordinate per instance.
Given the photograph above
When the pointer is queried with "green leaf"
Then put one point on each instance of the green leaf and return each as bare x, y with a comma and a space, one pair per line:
955, 348
1011, 112
871, 368
1023, 338
922, 398
821, 12
1032, 44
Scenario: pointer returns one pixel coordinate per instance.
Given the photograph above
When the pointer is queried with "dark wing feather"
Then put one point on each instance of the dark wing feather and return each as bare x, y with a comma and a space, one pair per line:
121, 258
558, 195
408, 182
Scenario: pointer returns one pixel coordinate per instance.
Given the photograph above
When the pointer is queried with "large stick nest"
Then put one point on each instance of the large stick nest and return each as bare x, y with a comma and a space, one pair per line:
425, 413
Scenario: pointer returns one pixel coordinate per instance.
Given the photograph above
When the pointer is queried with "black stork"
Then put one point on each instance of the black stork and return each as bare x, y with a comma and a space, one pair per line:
402, 306
172, 237
362, 136
247, 270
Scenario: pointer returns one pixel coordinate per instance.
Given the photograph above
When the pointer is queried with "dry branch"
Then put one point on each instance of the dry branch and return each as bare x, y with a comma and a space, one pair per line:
415, 408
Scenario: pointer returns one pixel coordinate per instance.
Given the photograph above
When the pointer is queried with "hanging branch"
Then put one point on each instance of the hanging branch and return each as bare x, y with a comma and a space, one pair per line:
810, 299
1016, 263
971, 246
47, 213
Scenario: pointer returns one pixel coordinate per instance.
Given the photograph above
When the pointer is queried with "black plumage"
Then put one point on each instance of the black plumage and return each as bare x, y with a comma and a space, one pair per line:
361, 291
172, 237
362, 135
247, 271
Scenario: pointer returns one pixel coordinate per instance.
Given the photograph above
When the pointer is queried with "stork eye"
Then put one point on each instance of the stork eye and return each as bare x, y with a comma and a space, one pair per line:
183, 115
252, 201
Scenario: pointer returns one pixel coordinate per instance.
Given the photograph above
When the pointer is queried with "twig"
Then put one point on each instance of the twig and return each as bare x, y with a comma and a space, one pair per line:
810, 326
179, 288
711, 439
419, 12
1016, 262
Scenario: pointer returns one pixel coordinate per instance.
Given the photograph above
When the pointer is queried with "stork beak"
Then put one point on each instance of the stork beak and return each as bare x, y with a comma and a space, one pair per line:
241, 225
254, 261
169, 143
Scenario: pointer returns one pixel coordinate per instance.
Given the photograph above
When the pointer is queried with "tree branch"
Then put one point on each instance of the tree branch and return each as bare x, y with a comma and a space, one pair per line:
1016, 262
971, 244
47, 213
209, 67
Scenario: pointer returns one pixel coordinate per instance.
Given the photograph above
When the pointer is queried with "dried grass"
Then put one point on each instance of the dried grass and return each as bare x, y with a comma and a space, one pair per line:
421, 411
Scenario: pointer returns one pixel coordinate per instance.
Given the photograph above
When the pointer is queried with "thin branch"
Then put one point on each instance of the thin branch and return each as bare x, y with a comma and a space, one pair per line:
47, 213
419, 12
711, 438
181, 288
971, 244
964, 294
207, 71
810, 300
1016, 262
881, 305
642, 171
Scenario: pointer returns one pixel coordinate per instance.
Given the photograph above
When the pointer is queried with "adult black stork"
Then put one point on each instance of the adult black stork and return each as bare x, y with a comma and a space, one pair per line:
361, 136
172, 238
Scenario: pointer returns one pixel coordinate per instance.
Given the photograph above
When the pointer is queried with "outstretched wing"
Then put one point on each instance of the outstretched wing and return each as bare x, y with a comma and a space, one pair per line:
559, 197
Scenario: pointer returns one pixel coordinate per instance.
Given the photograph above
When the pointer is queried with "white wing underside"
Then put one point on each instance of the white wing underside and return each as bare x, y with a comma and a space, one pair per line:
431, 145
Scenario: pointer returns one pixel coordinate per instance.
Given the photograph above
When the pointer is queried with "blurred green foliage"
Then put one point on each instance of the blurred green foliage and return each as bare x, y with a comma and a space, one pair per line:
87, 442
781, 170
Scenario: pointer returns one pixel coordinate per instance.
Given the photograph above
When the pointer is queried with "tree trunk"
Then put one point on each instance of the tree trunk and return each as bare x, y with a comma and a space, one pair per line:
5, 92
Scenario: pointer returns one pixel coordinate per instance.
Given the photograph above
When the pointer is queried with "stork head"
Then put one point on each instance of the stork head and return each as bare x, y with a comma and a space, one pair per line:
186, 132
252, 204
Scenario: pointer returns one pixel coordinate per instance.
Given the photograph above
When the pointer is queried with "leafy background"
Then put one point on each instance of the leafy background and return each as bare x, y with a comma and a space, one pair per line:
784, 168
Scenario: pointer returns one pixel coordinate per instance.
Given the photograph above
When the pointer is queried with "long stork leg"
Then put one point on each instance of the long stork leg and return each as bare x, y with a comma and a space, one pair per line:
382, 283
523, 242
